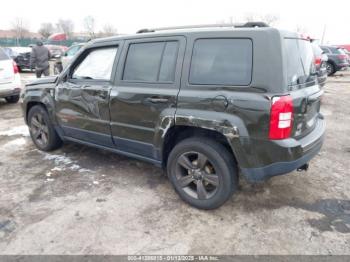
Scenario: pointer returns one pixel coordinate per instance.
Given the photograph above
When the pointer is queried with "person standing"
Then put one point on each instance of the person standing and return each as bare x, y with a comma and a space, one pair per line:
39, 59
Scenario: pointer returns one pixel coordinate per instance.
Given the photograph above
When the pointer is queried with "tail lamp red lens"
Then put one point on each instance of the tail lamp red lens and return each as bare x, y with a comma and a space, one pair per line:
318, 60
15, 67
281, 117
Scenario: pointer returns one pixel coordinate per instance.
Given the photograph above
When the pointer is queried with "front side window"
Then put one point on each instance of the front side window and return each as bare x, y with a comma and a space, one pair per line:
96, 65
221, 62
151, 62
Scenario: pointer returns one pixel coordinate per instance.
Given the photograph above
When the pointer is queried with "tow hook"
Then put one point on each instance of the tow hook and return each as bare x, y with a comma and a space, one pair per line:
304, 167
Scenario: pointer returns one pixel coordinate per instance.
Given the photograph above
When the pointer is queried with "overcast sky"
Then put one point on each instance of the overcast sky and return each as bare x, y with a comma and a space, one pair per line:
130, 15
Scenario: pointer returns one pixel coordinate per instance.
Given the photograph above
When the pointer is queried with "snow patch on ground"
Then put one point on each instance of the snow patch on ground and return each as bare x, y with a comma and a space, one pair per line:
14, 144
15, 131
63, 163
59, 159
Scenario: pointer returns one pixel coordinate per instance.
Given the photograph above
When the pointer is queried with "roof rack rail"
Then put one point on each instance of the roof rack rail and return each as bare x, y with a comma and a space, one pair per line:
238, 25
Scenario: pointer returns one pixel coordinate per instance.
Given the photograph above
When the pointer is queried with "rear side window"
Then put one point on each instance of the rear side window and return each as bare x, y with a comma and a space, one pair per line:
97, 65
300, 61
221, 62
151, 62
3, 55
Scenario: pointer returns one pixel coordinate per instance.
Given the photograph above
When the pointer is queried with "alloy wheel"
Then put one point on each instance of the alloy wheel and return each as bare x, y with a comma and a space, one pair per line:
39, 130
196, 175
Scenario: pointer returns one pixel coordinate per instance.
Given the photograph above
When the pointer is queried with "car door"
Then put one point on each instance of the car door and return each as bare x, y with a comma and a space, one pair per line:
82, 96
147, 85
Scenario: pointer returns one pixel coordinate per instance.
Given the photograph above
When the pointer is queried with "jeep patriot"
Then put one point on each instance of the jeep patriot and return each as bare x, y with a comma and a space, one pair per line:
205, 103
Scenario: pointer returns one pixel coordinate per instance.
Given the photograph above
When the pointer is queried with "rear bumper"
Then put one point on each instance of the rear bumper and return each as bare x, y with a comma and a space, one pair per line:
290, 154
342, 66
10, 89
322, 79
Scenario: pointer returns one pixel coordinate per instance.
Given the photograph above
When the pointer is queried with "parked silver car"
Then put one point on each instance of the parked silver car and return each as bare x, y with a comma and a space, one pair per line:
67, 56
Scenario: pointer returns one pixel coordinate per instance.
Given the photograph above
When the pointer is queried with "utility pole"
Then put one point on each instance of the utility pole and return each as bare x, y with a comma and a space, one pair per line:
323, 34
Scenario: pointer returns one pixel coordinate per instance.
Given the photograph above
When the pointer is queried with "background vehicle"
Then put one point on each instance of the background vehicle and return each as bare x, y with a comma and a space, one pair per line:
21, 55
196, 102
10, 81
56, 51
321, 63
67, 57
337, 59
347, 53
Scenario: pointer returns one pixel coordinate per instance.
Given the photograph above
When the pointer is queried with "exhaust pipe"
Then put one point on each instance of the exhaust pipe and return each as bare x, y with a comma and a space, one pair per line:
304, 167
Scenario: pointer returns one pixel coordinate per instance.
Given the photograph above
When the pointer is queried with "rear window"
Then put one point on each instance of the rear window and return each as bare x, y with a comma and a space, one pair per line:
300, 61
222, 62
3, 55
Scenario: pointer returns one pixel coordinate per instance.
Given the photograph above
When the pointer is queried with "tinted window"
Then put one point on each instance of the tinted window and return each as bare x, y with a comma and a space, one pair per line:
221, 62
325, 50
97, 64
3, 55
167, 69
300, 61
151, 62
335, 50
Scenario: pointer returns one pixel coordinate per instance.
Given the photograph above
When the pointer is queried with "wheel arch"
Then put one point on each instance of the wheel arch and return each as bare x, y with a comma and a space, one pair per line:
178, 133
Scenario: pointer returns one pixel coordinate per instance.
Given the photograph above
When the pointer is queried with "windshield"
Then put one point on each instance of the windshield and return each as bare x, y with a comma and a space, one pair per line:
300, 61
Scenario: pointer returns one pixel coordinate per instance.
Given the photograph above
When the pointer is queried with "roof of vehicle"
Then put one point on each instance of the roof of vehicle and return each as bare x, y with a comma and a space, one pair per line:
21, 49
193, 31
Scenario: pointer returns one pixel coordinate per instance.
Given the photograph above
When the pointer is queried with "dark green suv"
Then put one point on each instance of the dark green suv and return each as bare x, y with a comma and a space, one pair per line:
204, 103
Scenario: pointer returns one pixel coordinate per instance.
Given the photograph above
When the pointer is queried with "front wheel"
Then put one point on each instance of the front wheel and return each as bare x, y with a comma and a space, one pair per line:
202, 172
12, 99
41, 129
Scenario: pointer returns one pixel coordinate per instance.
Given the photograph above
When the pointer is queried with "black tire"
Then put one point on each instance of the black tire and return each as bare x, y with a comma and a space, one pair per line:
41, 129
330, 69
12, 99
189, 184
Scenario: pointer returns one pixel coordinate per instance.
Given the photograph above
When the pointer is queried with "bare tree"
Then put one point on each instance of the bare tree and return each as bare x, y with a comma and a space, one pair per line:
20, 27
89, 25
301, 29
46, 29
66, 26
108, 30
270, 19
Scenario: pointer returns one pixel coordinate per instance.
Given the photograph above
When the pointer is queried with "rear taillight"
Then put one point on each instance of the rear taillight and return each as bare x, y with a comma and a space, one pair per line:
15, 67
281, 117
318, 60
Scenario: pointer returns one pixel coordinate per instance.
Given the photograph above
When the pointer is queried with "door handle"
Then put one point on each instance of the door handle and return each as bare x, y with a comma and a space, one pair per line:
157, 100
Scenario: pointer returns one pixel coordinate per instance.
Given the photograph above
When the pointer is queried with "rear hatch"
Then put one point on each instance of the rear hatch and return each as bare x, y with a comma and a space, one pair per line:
6, 68
302, 84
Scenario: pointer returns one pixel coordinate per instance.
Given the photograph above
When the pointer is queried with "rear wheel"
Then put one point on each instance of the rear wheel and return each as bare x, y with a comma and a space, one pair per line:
41, 129
202, 172
330, 69
12, 99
